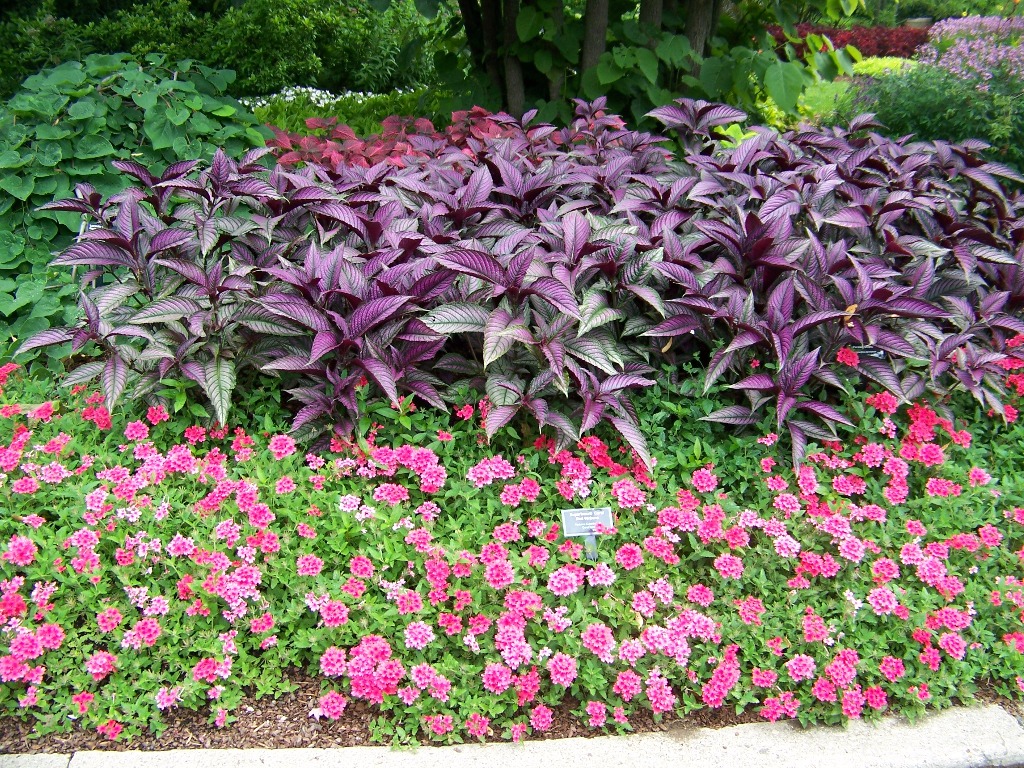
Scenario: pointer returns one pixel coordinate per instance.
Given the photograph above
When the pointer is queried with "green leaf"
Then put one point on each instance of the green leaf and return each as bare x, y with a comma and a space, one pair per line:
624, 56
784, 82
219, 384
648, 64
674, 50
428, 8
529, 23
607, 70
177, 116
716, 75
82, 109
11, 158
543, 61
48, 154
18, 186
89, 147
145, 100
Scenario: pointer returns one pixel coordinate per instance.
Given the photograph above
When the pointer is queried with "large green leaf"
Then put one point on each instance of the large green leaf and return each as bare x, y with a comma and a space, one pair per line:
648, 64
784, 82
18, 186
529, 23
93, 146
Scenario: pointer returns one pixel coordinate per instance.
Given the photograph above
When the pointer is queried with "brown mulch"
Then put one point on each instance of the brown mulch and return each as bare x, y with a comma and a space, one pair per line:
286, 722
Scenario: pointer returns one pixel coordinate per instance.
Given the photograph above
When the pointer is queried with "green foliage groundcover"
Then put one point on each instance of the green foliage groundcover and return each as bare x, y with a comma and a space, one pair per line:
63, 128
151, 562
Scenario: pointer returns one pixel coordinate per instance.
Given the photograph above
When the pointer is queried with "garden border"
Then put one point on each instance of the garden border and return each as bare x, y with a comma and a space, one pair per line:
963, 737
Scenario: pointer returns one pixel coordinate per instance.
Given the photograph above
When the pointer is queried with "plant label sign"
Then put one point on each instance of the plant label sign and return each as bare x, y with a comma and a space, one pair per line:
585, 522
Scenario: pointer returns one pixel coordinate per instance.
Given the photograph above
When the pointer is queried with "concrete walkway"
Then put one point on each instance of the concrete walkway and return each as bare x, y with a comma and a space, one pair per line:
959, 738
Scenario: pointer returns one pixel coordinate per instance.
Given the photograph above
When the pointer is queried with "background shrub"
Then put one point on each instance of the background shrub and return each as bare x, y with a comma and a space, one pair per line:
341, 45
870, 41
970, 84
364, 113
932, 103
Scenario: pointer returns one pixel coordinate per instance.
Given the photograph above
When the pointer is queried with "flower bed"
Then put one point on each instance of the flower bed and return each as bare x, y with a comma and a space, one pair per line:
153, 563
978, 49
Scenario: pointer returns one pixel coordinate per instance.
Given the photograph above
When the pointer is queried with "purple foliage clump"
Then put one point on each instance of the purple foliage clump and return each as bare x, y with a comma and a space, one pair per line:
558, 269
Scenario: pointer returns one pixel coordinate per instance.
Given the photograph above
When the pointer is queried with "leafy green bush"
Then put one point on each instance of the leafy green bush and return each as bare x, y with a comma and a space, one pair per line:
362, 112
169, 27
31, 41
344, 45
63, 127
274, 44
950, 9
271, 44
935, 104
876, 66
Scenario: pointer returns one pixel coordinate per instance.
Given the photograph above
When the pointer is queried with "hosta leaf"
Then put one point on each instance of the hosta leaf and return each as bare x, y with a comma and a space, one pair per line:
458, 317
219, 383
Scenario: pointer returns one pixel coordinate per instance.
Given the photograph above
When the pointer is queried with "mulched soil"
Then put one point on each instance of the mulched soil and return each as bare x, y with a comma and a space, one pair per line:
286, 722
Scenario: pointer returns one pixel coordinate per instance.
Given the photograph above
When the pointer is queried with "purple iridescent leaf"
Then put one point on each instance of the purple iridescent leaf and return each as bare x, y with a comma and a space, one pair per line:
375, 312
733, 414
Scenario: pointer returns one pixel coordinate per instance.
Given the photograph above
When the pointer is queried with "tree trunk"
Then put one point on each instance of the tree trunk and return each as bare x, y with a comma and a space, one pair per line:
556, 78
701, 18
595, 32
650, 14
490, 23
515, 93
473, 25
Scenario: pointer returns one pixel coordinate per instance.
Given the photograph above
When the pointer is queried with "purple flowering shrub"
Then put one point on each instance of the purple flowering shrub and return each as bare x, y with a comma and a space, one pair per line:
979, 49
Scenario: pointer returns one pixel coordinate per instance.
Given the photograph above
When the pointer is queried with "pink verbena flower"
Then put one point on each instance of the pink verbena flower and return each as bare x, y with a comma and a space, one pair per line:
729, 566
562, 669
704, 480
418, 635
801, 667
281, 446
332, 705
309, 565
